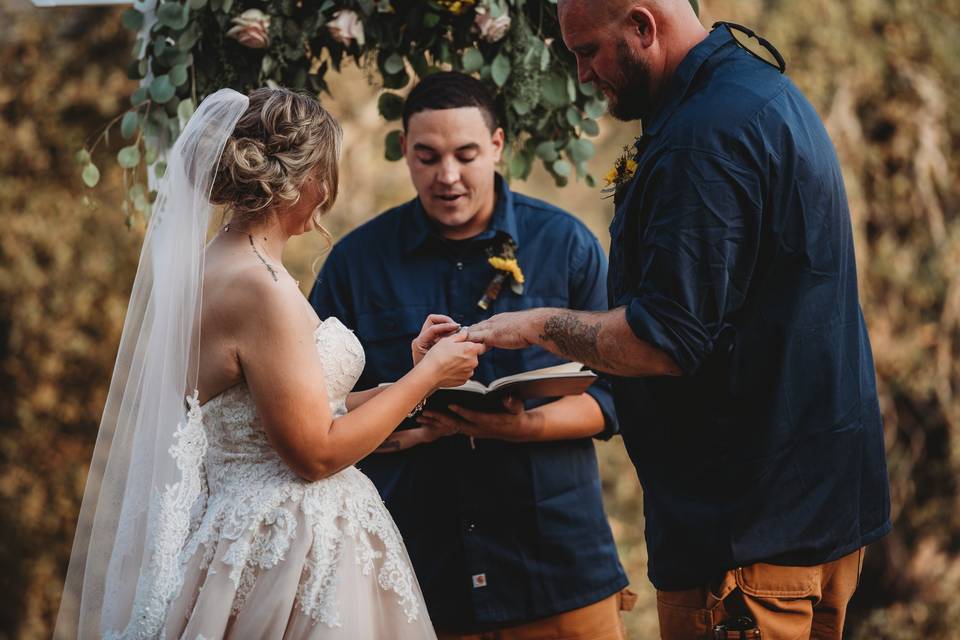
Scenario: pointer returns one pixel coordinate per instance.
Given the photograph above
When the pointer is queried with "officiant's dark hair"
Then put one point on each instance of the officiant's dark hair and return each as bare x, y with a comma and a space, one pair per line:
450, 90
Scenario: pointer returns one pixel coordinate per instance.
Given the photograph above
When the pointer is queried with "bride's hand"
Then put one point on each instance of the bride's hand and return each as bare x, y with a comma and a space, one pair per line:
434, 328
453, 360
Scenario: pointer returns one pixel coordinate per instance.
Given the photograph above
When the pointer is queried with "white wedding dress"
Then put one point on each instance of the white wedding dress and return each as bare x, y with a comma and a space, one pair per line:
273, 556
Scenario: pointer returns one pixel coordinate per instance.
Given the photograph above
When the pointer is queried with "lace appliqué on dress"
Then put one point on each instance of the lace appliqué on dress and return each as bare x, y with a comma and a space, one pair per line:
173, 508
257, 506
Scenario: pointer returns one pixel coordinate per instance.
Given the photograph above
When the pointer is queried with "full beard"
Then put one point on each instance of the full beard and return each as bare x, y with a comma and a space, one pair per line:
633, 98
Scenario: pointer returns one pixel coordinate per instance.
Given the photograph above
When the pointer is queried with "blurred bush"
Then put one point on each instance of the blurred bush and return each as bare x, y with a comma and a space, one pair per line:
883, 75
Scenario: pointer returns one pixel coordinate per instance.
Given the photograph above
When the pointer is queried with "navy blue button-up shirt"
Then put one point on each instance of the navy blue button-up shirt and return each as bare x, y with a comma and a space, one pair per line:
732, 251
505, 532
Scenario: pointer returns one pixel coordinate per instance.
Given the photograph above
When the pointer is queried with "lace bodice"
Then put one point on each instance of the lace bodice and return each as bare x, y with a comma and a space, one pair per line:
240, 509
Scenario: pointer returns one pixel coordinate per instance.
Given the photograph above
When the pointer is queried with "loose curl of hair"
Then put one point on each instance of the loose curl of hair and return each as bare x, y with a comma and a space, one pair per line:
281, 139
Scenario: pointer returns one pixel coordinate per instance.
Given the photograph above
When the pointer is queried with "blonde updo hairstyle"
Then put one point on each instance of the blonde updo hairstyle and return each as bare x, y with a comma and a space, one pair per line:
282, 138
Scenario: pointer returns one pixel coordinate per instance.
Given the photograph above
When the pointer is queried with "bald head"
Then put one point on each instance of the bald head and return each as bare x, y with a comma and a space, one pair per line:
629, 49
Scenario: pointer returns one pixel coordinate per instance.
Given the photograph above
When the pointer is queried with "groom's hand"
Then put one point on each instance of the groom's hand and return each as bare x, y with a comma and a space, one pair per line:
514, 425
514, 330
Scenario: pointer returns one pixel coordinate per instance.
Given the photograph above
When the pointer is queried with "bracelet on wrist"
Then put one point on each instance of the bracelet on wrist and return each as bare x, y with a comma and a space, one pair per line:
417, 410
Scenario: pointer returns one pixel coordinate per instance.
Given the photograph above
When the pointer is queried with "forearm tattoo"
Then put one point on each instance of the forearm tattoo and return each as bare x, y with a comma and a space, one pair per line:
575, 339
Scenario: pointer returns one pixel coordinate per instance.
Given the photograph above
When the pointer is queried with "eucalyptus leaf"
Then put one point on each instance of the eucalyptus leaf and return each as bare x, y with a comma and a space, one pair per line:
396, 81
150, 156
83, 156
128, 126
555, 91
161, 89
472, 60
140, 96
141, 204
581, 150
589, 89
390, 106
132, 19
173, 15
500, 69
430, 20
562, 168
90, 175
520, 107
596, 108
545, 58
184, 110
226, 6
520, 165
189, 37
591, 181
393, 64
547, 151
573, 117
159, 169
196, 4
137, 190
590, 127
393, 150
178, 75
129, 157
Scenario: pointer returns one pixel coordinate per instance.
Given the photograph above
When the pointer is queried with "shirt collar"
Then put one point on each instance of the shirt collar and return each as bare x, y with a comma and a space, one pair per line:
418, 228
679, 84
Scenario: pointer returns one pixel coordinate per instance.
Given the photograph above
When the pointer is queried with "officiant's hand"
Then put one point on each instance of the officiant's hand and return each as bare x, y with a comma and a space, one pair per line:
516, 425
434, 329
504, 330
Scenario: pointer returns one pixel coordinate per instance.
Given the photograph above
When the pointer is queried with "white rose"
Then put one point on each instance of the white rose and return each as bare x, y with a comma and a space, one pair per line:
491, 29
346, 27
251, 29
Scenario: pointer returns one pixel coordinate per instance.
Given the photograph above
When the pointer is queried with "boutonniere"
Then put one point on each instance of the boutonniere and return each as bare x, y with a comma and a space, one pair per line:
621, 174
505, 262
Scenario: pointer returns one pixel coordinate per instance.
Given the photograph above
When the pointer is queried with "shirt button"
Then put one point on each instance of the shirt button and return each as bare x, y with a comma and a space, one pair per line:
459, 266
471, 527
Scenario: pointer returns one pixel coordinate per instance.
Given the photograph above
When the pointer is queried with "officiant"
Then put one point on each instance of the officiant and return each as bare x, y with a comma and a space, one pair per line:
501, 512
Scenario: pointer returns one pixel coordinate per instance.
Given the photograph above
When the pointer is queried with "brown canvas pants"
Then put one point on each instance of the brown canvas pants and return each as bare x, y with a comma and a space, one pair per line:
598, 621
787, 603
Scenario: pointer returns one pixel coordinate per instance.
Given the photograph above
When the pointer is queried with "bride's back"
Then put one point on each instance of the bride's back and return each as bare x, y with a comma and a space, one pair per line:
236, 285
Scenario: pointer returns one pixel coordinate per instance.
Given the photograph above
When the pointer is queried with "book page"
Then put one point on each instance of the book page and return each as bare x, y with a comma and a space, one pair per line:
567, 369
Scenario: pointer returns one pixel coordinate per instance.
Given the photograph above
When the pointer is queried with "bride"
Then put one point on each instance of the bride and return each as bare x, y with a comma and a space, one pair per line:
237, 513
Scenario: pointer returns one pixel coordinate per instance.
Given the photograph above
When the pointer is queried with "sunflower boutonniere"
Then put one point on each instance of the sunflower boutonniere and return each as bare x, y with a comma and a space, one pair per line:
620, 174
505, 262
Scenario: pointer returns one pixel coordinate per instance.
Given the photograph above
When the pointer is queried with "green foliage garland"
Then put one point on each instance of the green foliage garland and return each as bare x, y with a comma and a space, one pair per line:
194, 47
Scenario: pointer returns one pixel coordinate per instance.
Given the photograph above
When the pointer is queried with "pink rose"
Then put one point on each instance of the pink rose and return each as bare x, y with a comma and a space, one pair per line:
346, 27
491, 29
251, 29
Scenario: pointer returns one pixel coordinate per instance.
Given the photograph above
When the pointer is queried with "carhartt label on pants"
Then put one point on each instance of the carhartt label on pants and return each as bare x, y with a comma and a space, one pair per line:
479, 580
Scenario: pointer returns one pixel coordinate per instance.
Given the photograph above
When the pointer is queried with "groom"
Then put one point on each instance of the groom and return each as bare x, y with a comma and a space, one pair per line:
503, 516
745, 382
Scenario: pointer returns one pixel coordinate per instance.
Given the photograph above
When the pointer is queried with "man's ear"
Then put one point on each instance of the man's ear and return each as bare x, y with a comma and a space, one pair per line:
497, 140
645, 25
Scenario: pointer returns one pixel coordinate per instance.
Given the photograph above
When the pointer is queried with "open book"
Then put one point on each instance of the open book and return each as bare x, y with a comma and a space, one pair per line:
568, 379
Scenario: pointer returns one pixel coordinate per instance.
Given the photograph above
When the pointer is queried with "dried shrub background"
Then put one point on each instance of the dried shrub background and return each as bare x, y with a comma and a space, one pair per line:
882, 73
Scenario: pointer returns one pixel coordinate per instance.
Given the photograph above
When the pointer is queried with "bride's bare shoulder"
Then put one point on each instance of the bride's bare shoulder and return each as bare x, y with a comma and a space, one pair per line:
251, 297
